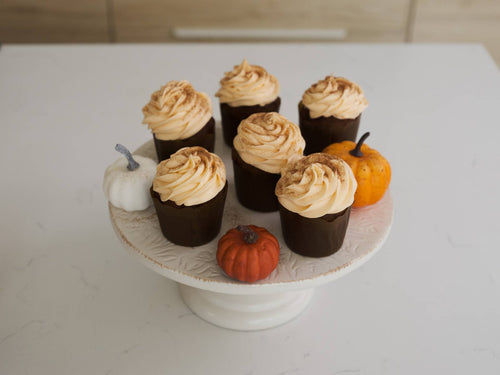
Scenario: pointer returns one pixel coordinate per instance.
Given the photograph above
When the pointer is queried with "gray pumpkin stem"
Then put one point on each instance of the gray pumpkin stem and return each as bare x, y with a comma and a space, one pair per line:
132, 164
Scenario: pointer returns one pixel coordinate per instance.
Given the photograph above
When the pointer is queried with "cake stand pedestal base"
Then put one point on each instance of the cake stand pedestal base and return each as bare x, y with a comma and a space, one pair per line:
245, 312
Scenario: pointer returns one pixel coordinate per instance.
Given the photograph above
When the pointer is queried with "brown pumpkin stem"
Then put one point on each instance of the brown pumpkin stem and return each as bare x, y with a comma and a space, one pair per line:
249, 235
357, 150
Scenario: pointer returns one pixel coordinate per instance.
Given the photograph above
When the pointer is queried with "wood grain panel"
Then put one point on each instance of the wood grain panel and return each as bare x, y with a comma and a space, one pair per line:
459, 21
34, 21
153, 20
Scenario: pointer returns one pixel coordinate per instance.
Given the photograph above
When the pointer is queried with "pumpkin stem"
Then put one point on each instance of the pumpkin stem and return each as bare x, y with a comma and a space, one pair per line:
132, 164
357, 150
249, 235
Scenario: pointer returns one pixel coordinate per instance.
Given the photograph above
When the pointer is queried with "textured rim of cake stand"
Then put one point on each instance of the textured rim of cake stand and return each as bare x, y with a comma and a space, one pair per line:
228, 303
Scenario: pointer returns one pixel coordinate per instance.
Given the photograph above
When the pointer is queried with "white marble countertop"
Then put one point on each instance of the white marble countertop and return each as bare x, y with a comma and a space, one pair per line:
72, 301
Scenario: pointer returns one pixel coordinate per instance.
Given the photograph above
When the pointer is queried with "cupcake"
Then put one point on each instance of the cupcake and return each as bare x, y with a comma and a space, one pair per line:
245, 90
264, 145
179, 116
329, 112
315, 195
189, 192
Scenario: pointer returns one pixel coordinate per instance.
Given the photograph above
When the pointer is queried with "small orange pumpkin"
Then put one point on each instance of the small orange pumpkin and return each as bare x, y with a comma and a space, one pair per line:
248, 253
371, 169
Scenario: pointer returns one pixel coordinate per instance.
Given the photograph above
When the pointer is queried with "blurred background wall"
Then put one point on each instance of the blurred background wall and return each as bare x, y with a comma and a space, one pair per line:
122, 21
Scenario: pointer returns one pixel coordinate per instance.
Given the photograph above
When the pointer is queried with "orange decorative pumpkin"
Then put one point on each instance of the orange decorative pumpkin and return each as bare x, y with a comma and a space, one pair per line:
248, 253
371, 169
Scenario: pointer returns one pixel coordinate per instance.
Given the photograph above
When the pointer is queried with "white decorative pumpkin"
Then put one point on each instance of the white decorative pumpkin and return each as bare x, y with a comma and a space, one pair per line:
127, 181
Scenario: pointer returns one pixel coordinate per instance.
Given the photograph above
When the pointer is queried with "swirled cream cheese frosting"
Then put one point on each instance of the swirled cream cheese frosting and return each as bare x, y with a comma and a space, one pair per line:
268, 141
177, 111
248, 85
191, 176
317, 185
335, 96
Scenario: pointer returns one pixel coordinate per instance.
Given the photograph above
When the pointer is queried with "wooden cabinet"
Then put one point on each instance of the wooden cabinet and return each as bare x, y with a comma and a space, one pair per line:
48, 21
367, 21
475, 21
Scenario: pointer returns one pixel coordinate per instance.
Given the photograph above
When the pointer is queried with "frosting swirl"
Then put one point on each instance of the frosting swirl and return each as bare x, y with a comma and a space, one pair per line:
177, 111
335, 96
268, 141
191, 176
248, 85
317, 185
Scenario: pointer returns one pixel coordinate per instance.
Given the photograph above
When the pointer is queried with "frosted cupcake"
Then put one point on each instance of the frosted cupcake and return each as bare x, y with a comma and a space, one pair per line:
315, 195
189, 192
329, 112
245, 90
264, 145
179, 116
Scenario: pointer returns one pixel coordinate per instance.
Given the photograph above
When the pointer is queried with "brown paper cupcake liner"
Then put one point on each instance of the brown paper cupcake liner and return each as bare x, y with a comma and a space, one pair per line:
254, 187
204, 138
190, 225
314, 237
232, 116
323, 131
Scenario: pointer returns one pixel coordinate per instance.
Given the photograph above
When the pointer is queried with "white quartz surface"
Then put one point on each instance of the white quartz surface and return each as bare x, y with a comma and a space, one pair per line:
72, 301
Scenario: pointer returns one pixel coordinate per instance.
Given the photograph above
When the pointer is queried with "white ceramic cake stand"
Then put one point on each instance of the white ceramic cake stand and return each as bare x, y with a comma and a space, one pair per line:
228, 303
